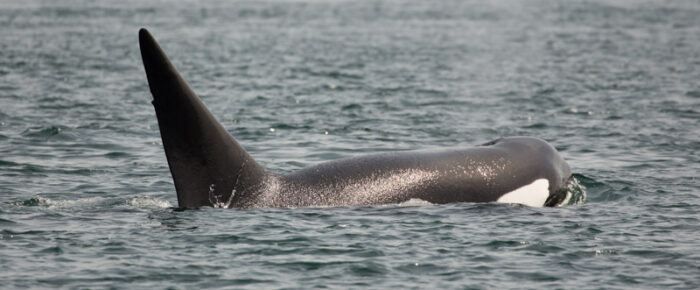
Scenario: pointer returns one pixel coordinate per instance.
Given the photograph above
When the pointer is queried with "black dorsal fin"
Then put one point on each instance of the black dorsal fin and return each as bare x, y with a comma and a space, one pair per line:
207, 164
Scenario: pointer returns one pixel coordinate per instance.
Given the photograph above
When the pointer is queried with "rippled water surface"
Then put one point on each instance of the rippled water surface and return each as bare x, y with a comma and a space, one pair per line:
86, 196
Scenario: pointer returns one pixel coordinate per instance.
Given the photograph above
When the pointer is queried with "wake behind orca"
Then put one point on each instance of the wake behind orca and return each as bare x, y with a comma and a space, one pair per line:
210, 168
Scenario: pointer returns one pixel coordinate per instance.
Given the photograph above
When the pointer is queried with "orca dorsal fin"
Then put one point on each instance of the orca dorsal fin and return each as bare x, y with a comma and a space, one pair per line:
208, 166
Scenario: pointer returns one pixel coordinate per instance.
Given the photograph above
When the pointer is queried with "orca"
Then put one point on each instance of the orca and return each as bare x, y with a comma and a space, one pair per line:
210, 168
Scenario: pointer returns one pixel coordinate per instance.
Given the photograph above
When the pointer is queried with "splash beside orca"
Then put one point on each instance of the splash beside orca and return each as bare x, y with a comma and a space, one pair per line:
210, 168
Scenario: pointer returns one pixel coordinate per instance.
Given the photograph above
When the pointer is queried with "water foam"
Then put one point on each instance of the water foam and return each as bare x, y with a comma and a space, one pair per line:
414, 202
148, 202
216, 199
139, 202
45, 202
575, 193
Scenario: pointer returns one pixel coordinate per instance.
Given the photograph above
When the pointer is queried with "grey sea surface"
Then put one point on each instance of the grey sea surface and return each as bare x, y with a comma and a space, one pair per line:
86, 197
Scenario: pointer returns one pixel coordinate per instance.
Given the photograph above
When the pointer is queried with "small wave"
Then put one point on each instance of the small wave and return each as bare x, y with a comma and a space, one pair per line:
7, 222
44, 132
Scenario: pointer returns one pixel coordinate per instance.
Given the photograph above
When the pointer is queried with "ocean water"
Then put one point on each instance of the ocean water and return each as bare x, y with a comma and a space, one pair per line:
86, 197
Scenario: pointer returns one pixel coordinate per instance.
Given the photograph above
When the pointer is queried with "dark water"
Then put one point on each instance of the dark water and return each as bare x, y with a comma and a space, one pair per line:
86, 195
